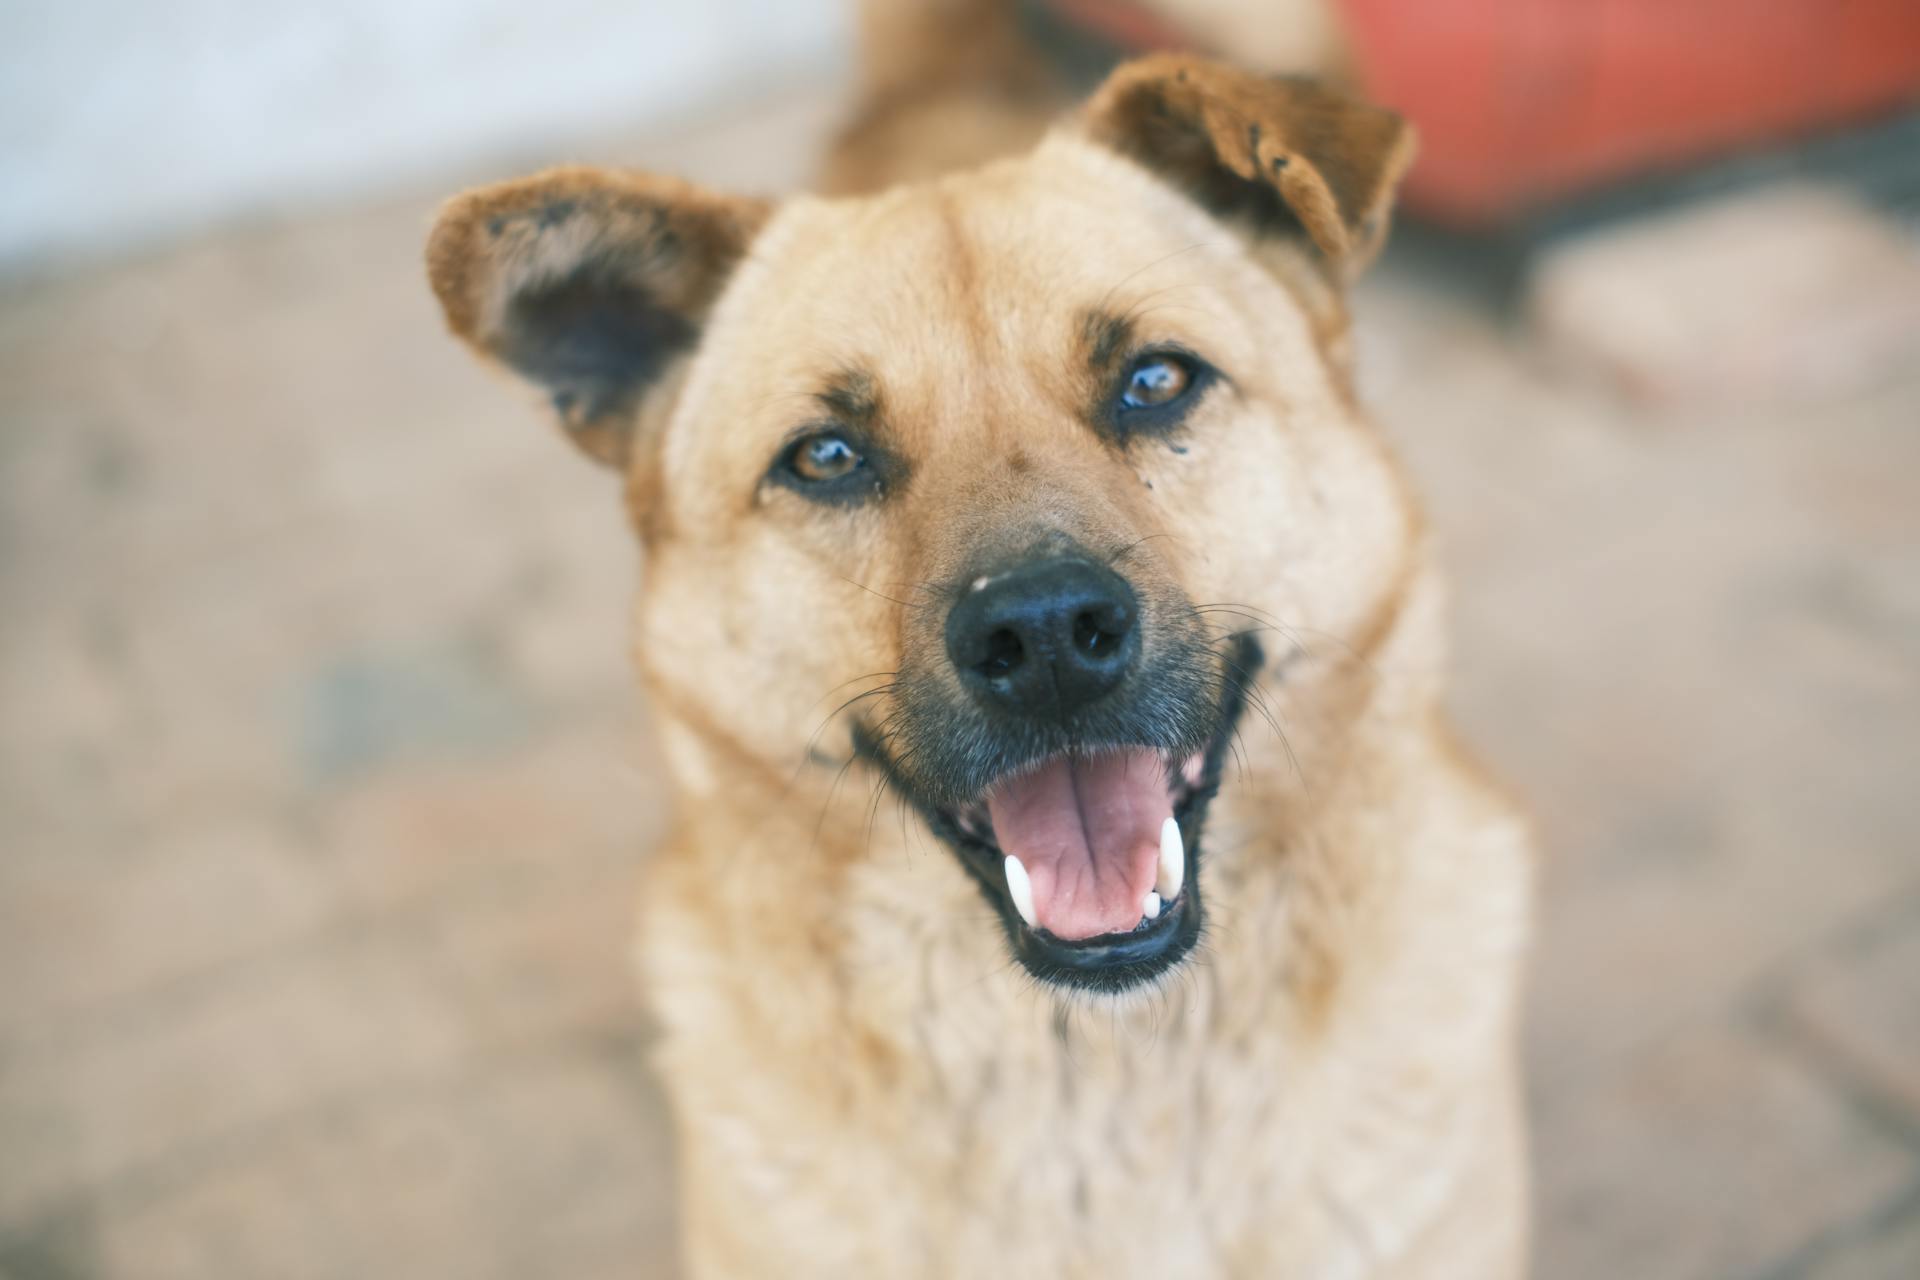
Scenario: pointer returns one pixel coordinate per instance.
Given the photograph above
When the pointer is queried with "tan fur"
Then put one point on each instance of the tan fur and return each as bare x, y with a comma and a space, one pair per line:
864, 1084
948, 84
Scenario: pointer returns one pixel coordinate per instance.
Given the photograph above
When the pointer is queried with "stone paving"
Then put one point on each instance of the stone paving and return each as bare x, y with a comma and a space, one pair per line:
323, 787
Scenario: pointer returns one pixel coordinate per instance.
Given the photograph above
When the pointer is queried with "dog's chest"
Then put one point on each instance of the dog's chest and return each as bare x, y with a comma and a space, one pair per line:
1125, 1145
1090, 1141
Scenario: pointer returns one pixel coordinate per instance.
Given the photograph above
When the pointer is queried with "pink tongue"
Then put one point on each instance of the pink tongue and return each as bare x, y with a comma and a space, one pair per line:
1088, 833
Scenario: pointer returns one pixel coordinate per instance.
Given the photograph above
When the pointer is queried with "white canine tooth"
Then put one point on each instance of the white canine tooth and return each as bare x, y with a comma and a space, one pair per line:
1173, 861
1020, 889
1150, 907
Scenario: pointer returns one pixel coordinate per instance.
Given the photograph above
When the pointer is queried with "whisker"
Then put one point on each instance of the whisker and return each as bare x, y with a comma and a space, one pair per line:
1107, 298
879, 793
1134, 546
806, 752
826, 806
1257, 698
881, 594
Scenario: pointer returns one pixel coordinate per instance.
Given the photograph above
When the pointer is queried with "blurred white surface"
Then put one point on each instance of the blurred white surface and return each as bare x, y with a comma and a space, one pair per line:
123, 123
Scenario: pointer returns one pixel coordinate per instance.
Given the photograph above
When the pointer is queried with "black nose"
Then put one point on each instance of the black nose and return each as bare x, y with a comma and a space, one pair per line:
1046, 637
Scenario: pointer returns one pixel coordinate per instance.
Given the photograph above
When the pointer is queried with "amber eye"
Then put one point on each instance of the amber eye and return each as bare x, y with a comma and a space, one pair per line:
823, 458
1155, 380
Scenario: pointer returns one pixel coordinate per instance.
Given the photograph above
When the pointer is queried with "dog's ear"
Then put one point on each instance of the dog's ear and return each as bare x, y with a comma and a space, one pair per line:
591, 283
1279, 152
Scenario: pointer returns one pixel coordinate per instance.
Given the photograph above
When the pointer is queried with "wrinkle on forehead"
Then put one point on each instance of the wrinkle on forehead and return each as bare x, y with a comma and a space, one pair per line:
962, 263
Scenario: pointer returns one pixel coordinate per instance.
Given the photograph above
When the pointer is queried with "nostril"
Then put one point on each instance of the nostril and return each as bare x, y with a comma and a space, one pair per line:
1004, 652
1092, 636
1100, 632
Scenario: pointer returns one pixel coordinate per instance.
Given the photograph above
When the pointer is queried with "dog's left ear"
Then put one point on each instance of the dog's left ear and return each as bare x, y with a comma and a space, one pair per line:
593, 284
1281, 153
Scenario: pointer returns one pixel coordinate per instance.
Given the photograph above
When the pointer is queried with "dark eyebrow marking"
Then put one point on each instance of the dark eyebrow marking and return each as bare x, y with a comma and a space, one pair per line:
851, 396
1104, 336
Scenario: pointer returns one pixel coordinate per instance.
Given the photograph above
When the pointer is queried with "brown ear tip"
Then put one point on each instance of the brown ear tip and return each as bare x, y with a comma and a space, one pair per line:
1409, 144
1402, 147
450, 263
1147, 70
457, 250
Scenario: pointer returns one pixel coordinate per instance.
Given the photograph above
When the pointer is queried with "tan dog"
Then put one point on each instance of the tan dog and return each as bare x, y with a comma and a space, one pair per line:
1073, 873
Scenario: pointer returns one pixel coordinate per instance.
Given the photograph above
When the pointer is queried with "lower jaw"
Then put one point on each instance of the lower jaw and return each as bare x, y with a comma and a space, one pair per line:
1115, 962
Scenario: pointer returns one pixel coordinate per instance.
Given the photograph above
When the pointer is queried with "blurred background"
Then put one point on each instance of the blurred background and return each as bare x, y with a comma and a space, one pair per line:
324, 788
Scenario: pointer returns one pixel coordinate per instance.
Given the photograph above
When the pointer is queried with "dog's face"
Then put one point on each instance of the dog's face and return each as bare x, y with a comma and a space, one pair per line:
995, 483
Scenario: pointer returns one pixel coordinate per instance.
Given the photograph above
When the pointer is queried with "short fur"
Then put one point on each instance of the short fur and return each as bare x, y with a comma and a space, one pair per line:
863, 1082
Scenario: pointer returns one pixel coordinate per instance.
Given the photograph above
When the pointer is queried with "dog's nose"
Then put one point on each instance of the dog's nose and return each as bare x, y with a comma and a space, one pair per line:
1044, 638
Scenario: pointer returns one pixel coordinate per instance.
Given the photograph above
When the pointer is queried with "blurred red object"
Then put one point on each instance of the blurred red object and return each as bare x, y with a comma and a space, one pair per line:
1520, 102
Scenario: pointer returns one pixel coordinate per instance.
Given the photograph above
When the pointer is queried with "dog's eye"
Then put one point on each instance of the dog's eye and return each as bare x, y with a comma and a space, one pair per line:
834, 466
824, 457
1155, 380
1157, 391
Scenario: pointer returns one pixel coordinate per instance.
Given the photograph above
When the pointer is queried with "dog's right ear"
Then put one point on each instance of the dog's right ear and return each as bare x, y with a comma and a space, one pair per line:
590, 283
1278, 154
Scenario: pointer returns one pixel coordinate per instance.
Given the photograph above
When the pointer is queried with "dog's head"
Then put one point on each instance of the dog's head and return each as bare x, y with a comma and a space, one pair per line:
1027, 469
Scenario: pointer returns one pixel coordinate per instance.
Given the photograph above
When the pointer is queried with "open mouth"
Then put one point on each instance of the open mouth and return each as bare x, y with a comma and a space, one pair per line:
1092, 858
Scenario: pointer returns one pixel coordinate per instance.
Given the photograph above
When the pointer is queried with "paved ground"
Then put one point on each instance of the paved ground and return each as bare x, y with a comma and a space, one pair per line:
322, 789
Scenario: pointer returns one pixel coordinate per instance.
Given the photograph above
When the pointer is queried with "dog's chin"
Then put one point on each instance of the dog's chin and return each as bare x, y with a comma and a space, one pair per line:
1111, 946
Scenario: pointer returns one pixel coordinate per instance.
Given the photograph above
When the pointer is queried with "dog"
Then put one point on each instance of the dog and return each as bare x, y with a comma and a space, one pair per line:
1073, 871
